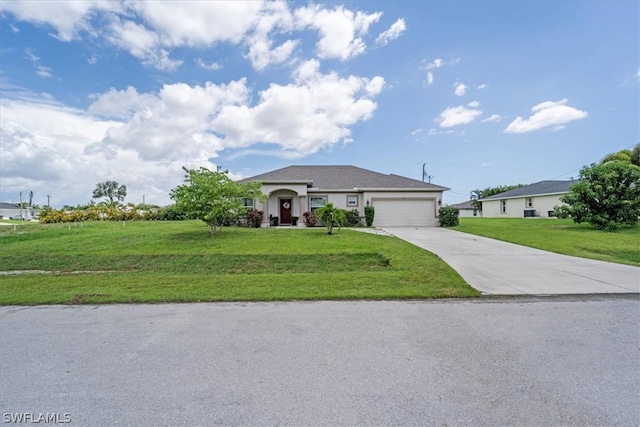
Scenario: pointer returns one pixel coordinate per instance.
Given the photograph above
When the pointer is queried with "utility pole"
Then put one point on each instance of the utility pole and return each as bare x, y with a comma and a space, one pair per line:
48, 201
425, 174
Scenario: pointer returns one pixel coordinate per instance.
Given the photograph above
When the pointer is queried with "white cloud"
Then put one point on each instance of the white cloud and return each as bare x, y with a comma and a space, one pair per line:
340, 30
481, 86
429, 78
549, 114
396, 29
313, 113
152, 30
455, 116
459, 89
41, 70
434, 131
492, 118
195, 23
180, 122
68, 18
474, 104
43, 149
142, 43
119, 103
261, 54
437, 63
274, 17
213, 66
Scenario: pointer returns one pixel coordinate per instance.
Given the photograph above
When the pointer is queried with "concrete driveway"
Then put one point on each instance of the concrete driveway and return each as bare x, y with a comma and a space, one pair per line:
500, 268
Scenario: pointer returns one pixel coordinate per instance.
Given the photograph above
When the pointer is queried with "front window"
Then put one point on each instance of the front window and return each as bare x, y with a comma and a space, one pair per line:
317, 202
352, 201
529, 202
503, 206
247, 202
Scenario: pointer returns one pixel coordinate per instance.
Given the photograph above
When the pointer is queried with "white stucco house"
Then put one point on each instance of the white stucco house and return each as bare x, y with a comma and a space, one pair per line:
12, 210
467, 210
534, 200
398, 201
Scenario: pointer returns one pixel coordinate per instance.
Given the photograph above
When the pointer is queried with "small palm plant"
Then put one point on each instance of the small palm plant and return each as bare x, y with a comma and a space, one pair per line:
330, 216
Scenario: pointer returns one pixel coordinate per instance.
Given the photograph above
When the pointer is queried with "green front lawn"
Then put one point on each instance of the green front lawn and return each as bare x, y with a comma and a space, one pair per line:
108, 262
561, 236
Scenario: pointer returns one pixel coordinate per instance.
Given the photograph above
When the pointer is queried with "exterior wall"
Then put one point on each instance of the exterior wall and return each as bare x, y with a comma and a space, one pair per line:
468, 213
301, 195
27, 212
516, 206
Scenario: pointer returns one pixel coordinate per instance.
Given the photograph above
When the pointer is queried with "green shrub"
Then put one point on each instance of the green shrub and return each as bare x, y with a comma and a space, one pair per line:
254, 218
171, 213
449, 216
310, 219
352, 217
369, 213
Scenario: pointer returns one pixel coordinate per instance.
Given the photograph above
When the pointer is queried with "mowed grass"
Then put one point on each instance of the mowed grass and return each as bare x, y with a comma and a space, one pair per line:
560, 236
151, 262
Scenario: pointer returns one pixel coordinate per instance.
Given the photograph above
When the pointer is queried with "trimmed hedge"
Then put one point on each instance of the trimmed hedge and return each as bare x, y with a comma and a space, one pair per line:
449, 216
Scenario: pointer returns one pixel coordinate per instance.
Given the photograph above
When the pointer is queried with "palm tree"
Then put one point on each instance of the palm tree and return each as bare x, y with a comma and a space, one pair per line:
330, 216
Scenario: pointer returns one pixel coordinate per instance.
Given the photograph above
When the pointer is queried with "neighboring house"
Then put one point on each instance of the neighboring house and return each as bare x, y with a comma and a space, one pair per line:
467, 210
11, 210
398, 201
535, 200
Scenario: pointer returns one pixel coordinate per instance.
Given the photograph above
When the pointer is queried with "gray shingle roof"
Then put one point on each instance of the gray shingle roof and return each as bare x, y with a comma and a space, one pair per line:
341, 177
4, 205
463, 205
537, 189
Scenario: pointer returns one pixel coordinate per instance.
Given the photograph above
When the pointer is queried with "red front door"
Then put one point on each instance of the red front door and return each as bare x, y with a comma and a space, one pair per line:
285, 211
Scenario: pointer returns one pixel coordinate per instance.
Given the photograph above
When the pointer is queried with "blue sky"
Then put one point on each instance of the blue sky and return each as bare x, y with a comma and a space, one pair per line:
485, 93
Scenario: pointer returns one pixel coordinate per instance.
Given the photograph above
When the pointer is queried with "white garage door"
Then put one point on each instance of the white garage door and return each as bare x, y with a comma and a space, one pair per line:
404, 213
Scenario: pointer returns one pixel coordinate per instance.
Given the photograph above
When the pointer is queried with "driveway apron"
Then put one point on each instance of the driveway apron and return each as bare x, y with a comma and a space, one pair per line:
500, 268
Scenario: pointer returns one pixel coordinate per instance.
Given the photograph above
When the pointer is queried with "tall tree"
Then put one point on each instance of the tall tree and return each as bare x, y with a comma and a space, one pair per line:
631, 156
111, 190
213, 197
606, 196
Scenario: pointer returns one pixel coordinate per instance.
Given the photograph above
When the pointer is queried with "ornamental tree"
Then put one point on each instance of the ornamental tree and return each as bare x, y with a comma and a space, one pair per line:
607, 195
213, 197
330, 216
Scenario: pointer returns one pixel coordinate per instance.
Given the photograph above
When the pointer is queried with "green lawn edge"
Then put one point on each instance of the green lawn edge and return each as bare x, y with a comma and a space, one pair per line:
162, 262
560, 236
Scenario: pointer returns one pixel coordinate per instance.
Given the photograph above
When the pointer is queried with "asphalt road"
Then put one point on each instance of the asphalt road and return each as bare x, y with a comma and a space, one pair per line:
509, 361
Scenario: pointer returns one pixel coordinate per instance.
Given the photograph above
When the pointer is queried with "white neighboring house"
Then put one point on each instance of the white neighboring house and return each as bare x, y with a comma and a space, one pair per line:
534, 200
398, 201
467, 210
12, 210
